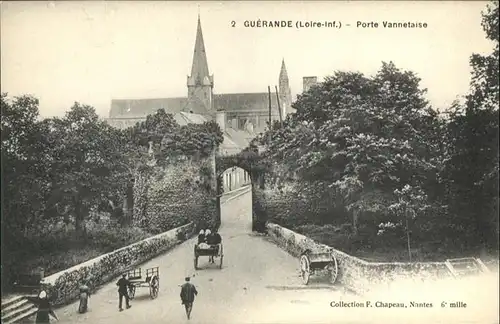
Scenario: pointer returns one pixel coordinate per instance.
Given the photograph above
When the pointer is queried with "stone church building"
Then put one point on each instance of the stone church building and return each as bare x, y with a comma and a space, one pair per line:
241, 116
239, 111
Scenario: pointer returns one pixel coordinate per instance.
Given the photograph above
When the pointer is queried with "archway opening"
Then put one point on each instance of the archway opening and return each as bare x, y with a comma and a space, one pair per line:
235, 192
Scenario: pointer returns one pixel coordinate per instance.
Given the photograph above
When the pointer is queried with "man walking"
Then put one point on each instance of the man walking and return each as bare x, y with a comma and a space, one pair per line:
188, 292
123, 285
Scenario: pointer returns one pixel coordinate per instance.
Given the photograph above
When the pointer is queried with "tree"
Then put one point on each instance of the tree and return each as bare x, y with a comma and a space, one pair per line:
485, 70
472, 167
23, 177
85, 162
411, 201
360, 135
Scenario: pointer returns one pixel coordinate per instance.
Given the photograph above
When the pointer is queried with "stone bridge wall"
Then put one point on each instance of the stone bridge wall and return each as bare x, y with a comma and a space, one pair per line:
355, 274
63, 286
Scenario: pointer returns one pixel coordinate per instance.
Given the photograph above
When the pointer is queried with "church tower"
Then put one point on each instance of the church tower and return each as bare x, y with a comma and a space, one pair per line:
285, 93
200, 83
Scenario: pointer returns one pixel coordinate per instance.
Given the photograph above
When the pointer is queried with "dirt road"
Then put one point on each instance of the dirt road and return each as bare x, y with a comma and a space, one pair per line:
258, 283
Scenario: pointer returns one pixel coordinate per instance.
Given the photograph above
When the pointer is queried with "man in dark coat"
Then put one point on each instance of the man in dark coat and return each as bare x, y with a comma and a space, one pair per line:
213, 240
123, 285
188, 292
217, 239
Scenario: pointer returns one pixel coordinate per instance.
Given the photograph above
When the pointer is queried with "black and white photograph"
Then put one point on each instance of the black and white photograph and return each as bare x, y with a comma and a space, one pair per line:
238, 162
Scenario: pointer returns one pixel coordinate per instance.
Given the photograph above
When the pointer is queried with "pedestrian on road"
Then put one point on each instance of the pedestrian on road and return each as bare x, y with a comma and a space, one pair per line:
188, 292
84, 298
123, 285
44, 308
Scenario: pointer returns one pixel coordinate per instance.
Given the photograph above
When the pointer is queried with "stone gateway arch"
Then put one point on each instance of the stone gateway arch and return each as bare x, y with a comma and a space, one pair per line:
246, 160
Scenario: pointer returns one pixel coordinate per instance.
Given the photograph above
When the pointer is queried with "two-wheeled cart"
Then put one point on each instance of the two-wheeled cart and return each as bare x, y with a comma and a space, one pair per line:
151, 281
212, 251
314, 262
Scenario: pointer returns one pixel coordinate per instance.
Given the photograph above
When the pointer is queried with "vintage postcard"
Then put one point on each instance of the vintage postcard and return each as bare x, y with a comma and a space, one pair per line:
250, 162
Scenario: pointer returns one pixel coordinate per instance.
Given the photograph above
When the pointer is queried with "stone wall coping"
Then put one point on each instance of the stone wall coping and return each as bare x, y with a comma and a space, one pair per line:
53, 277
364, 262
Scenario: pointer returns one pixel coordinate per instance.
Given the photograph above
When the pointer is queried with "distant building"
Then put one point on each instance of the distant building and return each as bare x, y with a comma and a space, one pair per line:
240, 115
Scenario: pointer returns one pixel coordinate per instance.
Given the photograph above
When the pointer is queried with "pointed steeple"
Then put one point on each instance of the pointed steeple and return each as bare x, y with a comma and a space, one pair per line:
285, 93
199, 70
200, 83
283, 73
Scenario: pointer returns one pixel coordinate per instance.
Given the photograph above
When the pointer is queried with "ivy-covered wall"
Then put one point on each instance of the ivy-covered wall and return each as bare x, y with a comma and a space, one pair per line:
175, 194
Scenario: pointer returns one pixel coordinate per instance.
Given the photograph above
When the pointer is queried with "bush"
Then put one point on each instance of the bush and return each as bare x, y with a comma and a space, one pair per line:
338, 237
109, 239
55, 247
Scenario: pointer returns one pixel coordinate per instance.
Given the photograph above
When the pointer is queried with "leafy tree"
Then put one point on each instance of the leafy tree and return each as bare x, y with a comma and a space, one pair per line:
411, 202
484, 79
23, 179
84, 153
170, 141
359, 135
472, 167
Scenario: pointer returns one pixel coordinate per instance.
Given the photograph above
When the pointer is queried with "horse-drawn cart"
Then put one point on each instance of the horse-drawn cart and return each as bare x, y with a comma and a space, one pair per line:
151, 281
212, 251
313, 262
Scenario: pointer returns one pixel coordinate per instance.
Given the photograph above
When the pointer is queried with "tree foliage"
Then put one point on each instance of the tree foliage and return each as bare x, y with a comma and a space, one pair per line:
357, 135
471, 171
373, 145
63, 168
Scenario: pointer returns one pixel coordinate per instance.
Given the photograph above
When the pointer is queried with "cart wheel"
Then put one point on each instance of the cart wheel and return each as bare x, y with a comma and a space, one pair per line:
305, 269
334, 270
131, 292
221, 252
154, 287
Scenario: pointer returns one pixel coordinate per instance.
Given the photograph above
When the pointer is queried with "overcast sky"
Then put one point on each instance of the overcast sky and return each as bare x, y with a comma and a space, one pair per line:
94, 51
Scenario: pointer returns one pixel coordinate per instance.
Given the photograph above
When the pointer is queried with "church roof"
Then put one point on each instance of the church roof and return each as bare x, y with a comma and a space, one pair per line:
183, 118
258, 101
223, 102
144, 107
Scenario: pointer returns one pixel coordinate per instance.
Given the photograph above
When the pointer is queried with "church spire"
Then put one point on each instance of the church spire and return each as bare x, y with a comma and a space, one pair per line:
199, 69
200, 83
283, 73
285, 93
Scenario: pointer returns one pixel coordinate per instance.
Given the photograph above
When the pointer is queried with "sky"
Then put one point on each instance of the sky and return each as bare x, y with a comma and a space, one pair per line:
95, 51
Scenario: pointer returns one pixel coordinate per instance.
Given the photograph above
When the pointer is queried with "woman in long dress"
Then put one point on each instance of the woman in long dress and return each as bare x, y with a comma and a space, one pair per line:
84, 298
44, 308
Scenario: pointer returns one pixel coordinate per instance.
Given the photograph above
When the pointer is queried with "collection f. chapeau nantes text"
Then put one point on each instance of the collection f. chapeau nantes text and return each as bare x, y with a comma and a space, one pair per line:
329, 24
